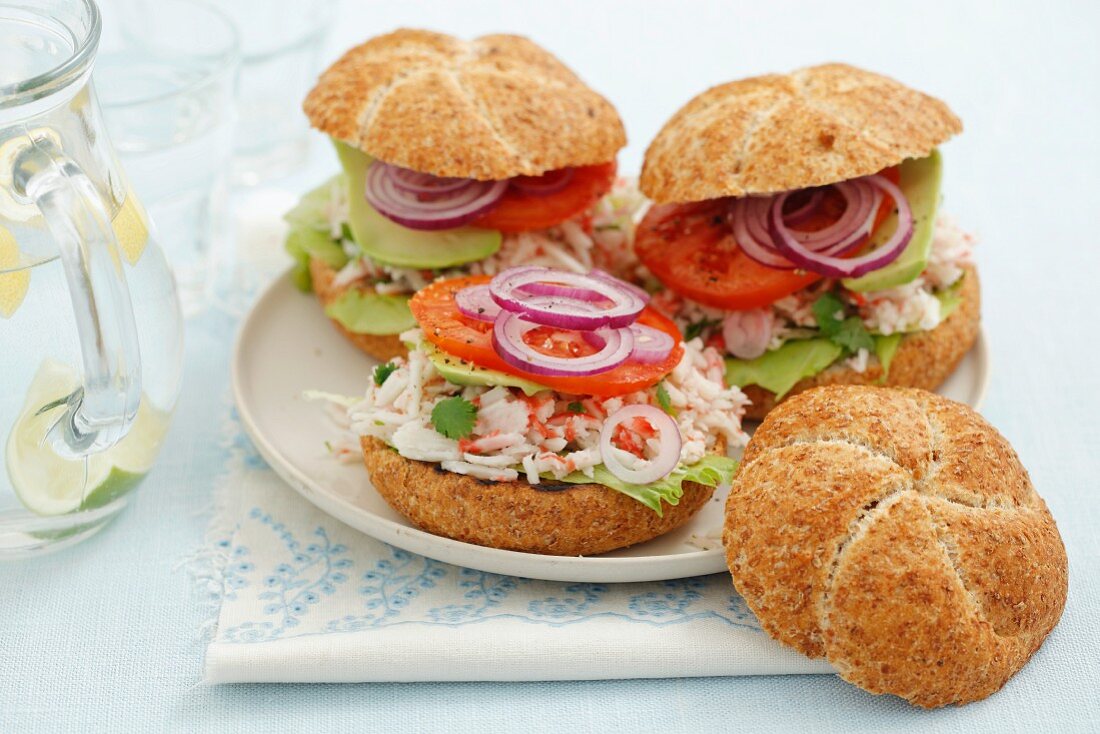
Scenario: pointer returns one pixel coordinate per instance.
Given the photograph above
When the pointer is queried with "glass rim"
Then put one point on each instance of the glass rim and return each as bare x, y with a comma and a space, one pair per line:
223, 61
55, 79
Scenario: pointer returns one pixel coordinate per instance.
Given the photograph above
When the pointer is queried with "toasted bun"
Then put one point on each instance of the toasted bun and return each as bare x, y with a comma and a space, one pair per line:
556, 519
924, 359
382, 347
895, 533
492, 108
774, 133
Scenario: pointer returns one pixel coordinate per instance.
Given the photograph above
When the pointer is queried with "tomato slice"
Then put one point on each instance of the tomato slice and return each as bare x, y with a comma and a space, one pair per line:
520, 212
444, 326
690, 248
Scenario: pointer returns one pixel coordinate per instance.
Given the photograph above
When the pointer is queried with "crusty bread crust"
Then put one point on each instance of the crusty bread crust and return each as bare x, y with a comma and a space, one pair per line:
924, 359
382, 347
895, 533
774, 133
556, 519
492, 108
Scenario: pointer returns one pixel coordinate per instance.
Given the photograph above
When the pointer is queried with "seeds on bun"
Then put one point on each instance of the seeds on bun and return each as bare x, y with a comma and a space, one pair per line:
896, 534
774, 133
489, 109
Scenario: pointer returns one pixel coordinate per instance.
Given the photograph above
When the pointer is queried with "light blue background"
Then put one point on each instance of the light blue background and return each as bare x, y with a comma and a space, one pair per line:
105, 636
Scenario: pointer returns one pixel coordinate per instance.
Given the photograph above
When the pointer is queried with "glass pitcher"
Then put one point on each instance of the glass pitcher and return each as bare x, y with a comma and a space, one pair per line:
90, 329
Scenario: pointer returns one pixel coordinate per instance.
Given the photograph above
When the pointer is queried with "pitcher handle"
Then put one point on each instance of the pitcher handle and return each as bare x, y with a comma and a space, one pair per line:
100, 412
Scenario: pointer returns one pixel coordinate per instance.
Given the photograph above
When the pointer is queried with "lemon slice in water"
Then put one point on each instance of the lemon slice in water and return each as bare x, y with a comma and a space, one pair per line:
48, 484
131, 228
13, 285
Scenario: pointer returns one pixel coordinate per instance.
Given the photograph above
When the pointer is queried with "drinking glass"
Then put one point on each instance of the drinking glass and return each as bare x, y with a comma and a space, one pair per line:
281, 45
167, 77
90, 328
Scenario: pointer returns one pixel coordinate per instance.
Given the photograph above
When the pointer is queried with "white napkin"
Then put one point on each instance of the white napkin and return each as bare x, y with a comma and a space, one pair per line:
303, 598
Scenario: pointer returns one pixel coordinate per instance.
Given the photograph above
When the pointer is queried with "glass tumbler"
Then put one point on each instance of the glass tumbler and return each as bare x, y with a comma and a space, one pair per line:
281, 45
167, 78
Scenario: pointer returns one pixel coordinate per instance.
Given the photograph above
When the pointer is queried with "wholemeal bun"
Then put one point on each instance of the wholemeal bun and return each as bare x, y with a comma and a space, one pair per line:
924, 358
779, 132
895, 533
382, 347
552, 518
492, 108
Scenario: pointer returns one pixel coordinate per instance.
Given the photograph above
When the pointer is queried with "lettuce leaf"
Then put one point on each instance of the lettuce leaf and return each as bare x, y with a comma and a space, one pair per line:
309, 235
779, 370
710, 471
366, 312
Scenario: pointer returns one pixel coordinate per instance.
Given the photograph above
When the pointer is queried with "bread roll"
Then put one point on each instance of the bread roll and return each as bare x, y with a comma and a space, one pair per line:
895, 533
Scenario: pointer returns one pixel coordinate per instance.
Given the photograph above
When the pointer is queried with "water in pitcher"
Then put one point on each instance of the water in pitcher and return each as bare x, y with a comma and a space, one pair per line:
90, 329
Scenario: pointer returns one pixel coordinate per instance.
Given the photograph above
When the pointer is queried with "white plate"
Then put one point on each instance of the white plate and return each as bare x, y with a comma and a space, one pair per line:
286, 346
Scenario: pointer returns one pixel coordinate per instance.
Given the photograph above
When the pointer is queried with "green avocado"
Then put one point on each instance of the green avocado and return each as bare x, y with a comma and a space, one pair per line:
460, 372
920, 182
308, 235
390, 243
366, 312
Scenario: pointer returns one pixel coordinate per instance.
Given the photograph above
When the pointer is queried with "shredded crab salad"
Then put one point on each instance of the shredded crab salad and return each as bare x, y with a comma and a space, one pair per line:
548, 435
915, 306
601, 238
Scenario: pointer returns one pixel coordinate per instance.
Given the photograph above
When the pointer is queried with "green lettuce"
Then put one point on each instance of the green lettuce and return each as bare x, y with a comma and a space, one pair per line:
367, 312
710, 471
309, 235
779, 370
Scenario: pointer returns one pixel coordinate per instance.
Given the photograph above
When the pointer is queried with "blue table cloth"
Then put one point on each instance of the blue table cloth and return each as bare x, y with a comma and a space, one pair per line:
106, 636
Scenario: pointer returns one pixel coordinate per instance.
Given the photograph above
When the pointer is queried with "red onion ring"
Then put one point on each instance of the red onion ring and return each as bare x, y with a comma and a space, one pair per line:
510, 290
510, 328
668, 453
550, 182
836, 267
608, 277
424, 183
441, 210
650, 345
476, 303
802, 213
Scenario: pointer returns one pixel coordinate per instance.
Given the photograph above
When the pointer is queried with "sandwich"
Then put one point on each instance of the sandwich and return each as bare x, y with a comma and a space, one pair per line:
545, 411
796, 228
458, 158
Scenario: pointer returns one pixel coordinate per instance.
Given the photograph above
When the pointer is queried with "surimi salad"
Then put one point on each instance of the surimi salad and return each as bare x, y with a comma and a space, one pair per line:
604, 392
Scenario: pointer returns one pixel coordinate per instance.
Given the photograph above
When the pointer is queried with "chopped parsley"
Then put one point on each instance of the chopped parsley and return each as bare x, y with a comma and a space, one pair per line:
664, 400
576, 407
697, 328
382, 372
454, 417
848, 332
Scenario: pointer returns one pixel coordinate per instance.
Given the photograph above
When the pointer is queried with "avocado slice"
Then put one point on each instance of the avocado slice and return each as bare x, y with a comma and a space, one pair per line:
366, 312
920, 182
460, 372
388, 242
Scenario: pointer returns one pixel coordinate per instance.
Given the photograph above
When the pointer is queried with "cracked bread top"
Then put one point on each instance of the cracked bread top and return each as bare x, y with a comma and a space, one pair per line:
895, 533
492, 108
779, 132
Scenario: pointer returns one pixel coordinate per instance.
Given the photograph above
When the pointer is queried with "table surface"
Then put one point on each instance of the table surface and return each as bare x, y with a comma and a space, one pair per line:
106, 636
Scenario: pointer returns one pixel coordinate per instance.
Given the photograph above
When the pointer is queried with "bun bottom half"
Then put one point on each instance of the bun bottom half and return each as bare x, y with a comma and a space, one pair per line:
550, 519
924, 359
382, 347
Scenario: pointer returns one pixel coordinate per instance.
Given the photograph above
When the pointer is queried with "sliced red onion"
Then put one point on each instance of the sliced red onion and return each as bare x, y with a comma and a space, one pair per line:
837, 267
476, 303
441, 209
424, 183
510, 328
802, 213
650, 345
758, 248
606, 276
668, 453
747, 333
510, 290
550, 182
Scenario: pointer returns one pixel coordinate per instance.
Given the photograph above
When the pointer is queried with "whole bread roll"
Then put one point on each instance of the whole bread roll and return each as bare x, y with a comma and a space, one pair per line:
895, 533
